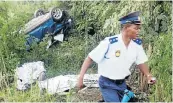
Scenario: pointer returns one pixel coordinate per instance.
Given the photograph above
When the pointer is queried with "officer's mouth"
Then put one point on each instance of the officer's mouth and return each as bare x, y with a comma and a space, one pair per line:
136, 36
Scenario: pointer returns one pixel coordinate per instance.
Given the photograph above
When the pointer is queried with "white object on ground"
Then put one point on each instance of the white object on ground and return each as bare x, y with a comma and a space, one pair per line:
62, 83
28, 73
59, 37
49, 43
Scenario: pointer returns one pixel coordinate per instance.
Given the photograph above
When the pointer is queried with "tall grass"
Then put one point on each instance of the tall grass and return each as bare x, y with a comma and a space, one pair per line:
11, 94
161, 67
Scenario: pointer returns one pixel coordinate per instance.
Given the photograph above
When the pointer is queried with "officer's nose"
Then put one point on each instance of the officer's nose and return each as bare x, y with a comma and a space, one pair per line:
137, 33
138, 30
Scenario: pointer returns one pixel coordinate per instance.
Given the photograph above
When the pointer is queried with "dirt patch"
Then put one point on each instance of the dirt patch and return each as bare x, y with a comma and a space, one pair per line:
94, 95
87, 95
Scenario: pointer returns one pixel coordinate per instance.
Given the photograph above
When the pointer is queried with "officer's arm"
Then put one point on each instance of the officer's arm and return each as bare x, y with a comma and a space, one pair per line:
141, 62
87, 62
144, 69
96, 55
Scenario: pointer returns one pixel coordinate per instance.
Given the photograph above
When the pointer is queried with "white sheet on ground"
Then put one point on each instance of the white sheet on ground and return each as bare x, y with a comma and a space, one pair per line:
62, 83
59, 37
28, 73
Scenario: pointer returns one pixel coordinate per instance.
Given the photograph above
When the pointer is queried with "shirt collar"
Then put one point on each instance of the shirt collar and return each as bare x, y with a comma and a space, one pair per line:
122, 42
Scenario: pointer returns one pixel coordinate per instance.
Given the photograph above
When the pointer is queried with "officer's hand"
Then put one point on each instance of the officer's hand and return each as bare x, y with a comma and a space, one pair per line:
151, 80
80, 83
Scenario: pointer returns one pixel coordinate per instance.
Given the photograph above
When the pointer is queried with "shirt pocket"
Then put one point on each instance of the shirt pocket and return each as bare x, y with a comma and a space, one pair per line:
111, 56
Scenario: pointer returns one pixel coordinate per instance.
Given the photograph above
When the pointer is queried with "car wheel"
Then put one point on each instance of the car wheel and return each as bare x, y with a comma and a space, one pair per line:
57, 14
39, 12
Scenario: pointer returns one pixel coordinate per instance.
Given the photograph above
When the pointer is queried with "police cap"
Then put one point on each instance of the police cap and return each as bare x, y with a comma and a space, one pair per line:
132, 18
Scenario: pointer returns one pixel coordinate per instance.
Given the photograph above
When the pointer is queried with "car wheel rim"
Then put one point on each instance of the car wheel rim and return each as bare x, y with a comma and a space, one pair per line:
40, 13
57, 13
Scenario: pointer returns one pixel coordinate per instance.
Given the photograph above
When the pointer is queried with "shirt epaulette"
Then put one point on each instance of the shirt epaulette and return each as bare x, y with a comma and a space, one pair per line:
138, 41
113, 40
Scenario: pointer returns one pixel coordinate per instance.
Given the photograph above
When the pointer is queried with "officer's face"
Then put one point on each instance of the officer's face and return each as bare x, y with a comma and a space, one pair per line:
133, 31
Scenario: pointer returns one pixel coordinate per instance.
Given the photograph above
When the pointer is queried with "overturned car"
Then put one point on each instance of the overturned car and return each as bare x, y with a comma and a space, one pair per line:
56, 23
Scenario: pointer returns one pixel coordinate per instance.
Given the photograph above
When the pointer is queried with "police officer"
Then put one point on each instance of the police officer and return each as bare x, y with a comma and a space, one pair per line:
114, 56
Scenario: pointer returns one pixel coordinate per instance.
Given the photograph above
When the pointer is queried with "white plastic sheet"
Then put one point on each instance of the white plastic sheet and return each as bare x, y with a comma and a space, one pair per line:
62, 83
28, 73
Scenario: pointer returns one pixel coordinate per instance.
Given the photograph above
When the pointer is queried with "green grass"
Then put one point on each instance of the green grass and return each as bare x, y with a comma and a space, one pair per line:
160, 64
10, 94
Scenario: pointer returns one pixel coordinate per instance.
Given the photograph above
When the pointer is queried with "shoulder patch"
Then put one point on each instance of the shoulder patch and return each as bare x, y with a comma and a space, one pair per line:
138, 41
113, 40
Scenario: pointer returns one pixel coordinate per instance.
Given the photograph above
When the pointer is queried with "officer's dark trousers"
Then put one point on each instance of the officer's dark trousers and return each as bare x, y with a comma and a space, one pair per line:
112, 91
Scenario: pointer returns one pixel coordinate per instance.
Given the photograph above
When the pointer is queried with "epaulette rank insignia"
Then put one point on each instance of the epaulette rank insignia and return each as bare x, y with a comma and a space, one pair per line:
113, 40
138, 41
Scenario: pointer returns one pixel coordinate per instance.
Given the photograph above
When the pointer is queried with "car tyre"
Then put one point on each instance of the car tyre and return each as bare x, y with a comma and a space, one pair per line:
39, 12
57, 14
